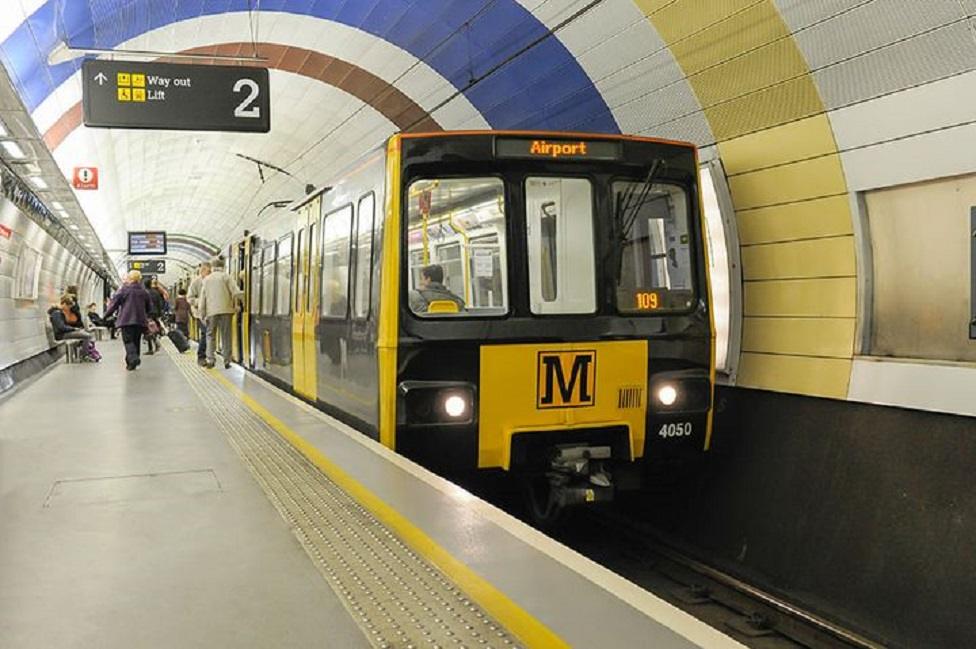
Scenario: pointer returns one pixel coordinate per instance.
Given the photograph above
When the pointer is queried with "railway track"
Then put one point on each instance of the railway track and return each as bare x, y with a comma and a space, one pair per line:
753, 616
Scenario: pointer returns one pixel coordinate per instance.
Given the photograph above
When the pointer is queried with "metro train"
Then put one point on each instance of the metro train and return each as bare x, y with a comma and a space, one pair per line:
529, 302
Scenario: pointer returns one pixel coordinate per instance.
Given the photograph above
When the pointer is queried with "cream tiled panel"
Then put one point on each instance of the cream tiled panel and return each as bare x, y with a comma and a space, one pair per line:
820, 377
827, 257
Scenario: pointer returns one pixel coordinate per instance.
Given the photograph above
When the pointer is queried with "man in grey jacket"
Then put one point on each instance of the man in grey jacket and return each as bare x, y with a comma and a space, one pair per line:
193, 296
219, 296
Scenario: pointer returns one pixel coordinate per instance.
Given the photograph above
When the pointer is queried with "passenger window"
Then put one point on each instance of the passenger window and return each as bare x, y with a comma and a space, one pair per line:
300, 271
255, 288
312, 255
283, 277
364, 255
559, 224
335, 262
268, 281
456, 247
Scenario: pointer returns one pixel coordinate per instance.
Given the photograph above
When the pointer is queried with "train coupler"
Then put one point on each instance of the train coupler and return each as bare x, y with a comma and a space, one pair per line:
578, 476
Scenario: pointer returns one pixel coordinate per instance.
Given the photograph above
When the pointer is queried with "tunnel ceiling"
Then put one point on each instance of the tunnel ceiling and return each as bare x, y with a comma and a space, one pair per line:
804, 100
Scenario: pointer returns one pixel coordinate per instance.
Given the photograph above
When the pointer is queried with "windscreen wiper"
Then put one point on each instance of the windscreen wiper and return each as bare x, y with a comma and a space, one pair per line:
628, 208
628, 214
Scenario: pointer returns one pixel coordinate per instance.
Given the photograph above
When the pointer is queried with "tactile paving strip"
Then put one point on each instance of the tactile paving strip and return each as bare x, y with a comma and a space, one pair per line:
396, 597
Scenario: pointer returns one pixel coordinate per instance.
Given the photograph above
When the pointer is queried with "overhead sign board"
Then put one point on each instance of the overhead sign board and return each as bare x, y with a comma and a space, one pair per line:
84, 178
147, 243
172, 96
149, 266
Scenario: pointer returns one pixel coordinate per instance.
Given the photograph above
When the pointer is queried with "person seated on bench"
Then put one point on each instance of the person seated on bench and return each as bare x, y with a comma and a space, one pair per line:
99, 321
61, 321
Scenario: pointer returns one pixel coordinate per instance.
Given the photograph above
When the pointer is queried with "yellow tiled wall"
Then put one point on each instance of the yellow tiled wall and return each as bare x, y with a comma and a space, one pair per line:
787, 185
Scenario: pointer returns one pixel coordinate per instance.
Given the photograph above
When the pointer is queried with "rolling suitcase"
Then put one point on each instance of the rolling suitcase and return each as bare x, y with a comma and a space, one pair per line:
178, 339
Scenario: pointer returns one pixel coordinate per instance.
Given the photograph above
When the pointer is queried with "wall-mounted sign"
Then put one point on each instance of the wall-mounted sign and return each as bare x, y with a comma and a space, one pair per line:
147, 243
84, 178
6, 232
149, 266
178, 97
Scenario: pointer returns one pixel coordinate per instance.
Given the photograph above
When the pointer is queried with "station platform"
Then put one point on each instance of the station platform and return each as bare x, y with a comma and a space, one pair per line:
175, 506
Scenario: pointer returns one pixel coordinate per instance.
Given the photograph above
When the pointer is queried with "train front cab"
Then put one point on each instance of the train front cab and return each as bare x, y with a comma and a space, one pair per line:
584, 349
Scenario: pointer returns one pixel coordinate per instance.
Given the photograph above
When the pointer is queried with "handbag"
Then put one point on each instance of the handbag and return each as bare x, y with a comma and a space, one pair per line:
152, 327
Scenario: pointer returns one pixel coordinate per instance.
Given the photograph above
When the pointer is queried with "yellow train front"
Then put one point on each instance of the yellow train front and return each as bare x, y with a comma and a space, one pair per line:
531, 302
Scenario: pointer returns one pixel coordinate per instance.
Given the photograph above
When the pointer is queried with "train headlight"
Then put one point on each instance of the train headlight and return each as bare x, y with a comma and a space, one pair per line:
455, 406
667, 394
436, 403
680, 391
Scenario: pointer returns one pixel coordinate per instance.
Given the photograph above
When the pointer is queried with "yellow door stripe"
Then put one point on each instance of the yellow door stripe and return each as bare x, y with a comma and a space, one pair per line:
388, 334
520, 623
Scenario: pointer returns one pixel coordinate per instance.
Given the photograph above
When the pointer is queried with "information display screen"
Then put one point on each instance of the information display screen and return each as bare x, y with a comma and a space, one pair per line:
557, 149
147, 243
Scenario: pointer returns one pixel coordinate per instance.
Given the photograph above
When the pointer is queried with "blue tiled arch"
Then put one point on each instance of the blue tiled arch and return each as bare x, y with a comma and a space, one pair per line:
460, 39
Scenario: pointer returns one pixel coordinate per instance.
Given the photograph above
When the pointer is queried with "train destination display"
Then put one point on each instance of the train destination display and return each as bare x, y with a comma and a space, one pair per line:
147, 243
128, 94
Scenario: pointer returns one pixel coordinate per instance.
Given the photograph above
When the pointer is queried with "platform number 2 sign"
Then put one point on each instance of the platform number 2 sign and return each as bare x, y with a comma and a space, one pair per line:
248, 107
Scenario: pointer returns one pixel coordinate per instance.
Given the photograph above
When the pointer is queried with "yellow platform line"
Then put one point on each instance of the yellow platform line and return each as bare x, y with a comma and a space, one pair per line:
519, 622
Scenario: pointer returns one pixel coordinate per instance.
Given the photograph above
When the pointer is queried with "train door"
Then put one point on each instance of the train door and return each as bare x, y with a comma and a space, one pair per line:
305, 302
246, 268
237, 267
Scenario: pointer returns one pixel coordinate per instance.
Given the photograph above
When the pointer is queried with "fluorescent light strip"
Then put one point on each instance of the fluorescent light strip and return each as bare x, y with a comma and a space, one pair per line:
13, 149
38, 182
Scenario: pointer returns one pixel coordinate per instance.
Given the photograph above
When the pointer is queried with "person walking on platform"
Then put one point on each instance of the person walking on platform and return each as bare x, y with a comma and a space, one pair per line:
193, 297
219, 296
132, 303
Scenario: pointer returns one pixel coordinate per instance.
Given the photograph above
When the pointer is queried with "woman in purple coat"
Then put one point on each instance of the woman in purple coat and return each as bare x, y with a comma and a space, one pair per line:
132, 303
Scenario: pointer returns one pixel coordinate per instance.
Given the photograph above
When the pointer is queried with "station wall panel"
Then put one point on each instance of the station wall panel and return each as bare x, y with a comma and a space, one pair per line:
820, 217
802, 180
923, 109
805, 298
921, 250
828, 337
807, 138
821, 377
811, 258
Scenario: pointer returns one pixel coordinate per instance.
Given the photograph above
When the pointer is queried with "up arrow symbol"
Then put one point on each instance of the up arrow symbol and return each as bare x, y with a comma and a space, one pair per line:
101, 78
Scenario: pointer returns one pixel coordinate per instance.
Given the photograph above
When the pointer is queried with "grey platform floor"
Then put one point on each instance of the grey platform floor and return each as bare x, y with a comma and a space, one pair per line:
126, 520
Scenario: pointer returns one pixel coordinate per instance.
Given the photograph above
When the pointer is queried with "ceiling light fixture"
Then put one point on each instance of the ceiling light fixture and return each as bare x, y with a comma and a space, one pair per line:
3, 129
38, 182
73, 226
57, 205
62, 53
13, 149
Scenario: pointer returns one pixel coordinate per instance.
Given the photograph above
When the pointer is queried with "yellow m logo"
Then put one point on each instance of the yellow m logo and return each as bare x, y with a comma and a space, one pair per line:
566, 379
